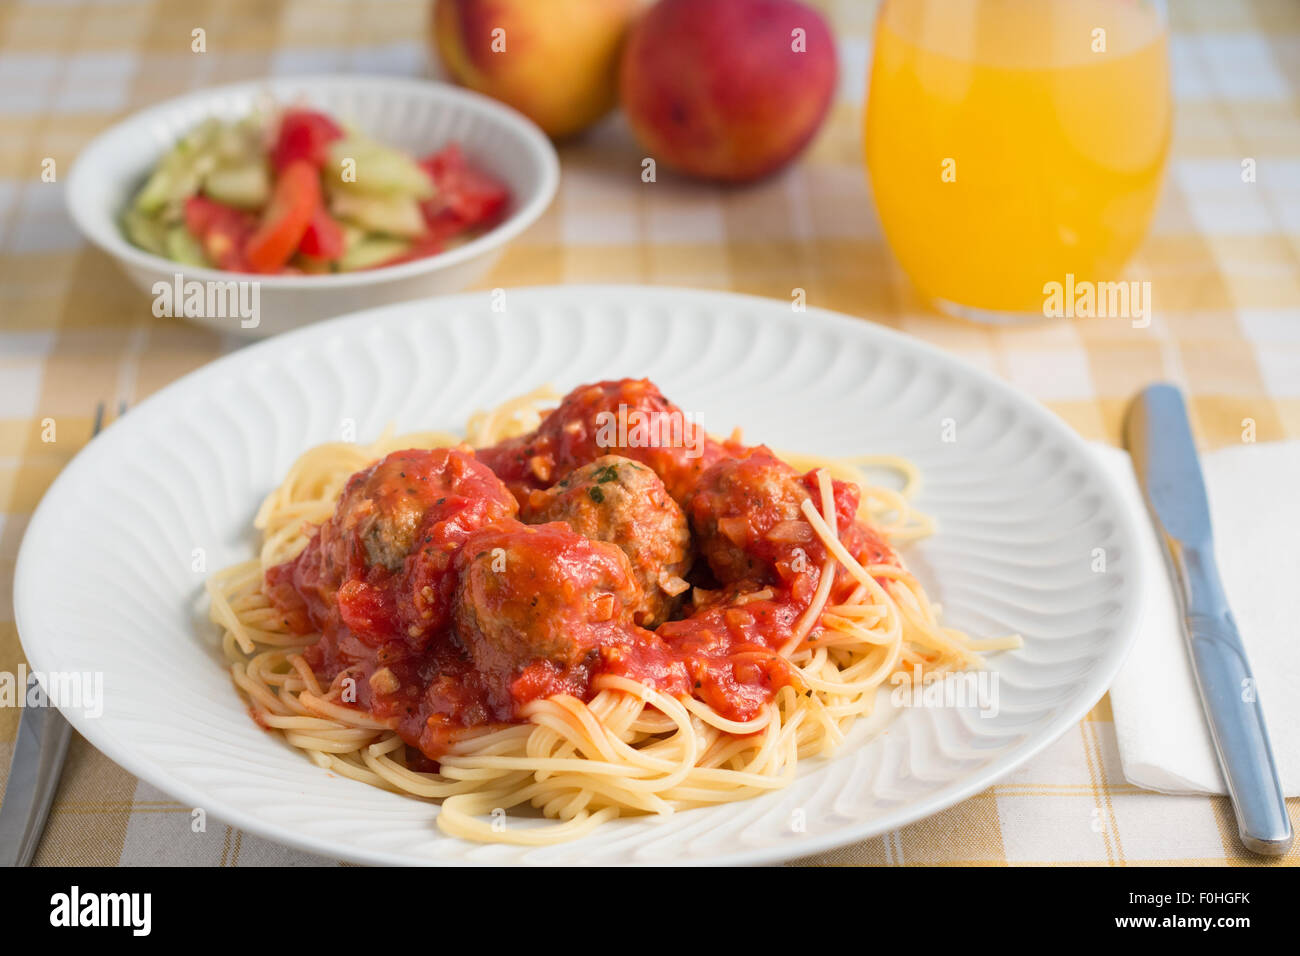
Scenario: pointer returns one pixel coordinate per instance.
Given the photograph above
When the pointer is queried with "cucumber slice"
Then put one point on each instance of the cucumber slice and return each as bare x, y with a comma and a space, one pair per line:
389, 215
145, 231
352, 236
371, 251
379, 170
181, 247
240, 142
247, 186
179, 173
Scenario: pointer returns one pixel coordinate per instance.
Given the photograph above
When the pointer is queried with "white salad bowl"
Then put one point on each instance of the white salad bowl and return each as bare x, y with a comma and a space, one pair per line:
419, 116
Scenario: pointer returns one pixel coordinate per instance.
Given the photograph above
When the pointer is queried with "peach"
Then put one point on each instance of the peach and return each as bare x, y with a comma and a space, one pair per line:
727, 90
556, 62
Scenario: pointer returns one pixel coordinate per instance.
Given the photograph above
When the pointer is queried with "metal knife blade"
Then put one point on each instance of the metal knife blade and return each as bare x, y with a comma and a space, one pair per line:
1168, 467
1159, 437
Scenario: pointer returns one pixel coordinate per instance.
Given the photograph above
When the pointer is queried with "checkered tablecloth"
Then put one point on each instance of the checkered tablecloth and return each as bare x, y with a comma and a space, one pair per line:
1223, 257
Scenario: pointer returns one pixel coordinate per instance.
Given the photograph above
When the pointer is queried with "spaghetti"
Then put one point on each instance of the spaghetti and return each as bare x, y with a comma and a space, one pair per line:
625, 746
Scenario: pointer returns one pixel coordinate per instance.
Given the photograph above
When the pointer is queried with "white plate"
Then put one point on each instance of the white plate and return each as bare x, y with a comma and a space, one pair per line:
419, 116
105, 578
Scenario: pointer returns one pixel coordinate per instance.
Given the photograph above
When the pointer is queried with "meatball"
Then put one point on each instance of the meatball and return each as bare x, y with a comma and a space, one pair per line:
623, 502
388, 505
395, 530
748, 521
385, 504
746, 515
531, 594
629, 417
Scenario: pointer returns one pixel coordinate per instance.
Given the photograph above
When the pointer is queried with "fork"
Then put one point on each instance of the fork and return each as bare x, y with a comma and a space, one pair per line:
39, 752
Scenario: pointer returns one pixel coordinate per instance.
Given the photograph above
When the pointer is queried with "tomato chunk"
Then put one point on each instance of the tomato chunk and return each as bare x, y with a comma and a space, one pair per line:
324, 236
304, 135
296, 197
368, 611
473, 197
221, 230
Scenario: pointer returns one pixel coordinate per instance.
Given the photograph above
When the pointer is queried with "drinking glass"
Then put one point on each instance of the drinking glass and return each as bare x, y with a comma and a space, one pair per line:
1012, 144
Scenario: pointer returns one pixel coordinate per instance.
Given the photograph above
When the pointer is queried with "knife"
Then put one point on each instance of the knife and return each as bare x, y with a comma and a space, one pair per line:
1159, 437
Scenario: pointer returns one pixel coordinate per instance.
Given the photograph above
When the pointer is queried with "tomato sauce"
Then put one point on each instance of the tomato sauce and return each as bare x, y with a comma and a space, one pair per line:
387, 580
730, 644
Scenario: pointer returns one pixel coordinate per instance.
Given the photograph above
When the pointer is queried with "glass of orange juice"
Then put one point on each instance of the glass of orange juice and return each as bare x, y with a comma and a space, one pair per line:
1016, 143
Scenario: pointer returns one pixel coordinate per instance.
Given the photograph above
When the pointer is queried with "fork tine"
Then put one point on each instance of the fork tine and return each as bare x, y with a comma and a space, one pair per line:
99, 419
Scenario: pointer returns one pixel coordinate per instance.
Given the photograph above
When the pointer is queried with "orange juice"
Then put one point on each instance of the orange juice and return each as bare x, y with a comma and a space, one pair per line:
1013, 142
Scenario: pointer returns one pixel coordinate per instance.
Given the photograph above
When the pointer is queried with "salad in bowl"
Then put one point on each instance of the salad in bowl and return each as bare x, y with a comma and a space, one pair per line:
297, 193
313, 195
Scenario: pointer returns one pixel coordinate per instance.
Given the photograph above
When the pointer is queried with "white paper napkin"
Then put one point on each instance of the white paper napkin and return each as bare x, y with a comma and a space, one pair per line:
1164, 741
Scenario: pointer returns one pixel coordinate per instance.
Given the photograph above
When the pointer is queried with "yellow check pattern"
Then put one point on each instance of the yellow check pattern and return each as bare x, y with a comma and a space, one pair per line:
1223, 258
